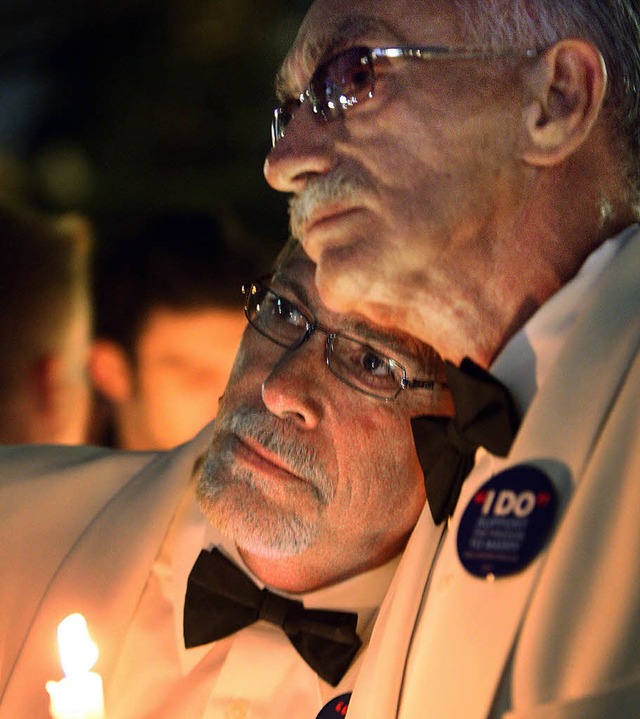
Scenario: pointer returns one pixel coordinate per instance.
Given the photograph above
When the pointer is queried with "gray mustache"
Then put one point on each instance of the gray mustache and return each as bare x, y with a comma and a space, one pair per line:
302, 459
338, 186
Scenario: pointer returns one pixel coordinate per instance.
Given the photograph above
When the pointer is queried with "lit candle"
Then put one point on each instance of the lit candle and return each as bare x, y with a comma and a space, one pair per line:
79, 694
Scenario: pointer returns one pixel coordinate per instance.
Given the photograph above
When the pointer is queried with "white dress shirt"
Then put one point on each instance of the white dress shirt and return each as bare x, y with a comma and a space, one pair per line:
255, 673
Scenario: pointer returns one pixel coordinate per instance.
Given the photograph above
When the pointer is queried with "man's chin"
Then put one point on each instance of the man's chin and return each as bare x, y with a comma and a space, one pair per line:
257, 525
337, 286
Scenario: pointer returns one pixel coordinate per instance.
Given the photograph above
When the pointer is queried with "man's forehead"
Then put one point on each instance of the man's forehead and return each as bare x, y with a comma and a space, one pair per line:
318, 42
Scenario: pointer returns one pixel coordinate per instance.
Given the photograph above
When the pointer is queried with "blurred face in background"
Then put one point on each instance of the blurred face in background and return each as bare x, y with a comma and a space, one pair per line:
172, 388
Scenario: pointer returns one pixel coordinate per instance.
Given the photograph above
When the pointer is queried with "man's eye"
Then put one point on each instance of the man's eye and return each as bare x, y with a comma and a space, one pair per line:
345, 80
375, 364
283, 311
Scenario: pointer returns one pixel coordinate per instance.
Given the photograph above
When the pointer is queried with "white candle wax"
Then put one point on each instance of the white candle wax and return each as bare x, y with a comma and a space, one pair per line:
77, 697
79, 694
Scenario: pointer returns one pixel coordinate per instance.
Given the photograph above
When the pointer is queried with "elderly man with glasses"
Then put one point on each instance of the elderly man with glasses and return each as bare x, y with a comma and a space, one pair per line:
469, 171
259, 598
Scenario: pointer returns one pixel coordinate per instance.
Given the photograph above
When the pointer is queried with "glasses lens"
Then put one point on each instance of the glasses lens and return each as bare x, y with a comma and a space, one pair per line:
364, 368
275, 317
343, 81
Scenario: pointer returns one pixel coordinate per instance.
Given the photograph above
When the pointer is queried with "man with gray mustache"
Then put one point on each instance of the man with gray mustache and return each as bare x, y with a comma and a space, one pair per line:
240, 574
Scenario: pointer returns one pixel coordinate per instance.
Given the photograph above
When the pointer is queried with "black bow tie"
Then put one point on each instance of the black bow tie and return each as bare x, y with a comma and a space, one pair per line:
221, 599
485, 416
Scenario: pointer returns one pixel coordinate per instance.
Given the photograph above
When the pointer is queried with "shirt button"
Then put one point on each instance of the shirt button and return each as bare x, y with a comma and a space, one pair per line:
238, 709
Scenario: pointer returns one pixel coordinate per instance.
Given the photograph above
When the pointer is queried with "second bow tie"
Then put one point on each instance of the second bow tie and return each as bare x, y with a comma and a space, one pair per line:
221, 599
485, 416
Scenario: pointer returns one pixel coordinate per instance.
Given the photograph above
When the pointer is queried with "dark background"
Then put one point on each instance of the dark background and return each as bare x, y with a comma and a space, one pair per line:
136, 106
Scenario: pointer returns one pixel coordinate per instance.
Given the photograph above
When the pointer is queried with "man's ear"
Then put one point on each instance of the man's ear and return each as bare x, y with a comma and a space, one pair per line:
111, 372
566, 87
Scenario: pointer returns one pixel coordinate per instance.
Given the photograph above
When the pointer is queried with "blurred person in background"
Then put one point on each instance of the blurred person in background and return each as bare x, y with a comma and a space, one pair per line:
45, 315
168, 305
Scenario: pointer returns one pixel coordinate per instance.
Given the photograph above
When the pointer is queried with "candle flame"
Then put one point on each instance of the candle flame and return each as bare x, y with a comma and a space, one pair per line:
78, 653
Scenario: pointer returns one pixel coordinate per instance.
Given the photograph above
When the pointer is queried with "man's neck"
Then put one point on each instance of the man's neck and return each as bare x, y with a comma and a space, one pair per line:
290, 574
303, 573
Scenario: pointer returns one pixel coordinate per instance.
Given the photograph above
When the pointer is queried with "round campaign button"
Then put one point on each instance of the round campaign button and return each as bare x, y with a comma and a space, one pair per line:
336, 708
507, 522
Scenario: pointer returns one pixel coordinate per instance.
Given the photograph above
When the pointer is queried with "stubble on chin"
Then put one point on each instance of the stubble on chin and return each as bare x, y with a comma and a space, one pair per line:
236, 506
259, 517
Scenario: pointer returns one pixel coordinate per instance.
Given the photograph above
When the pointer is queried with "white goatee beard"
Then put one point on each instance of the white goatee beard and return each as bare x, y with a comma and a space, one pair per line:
234, 501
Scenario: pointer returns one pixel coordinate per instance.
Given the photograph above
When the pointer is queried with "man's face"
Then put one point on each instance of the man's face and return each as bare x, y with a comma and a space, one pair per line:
303, 465
183, 363
397, 201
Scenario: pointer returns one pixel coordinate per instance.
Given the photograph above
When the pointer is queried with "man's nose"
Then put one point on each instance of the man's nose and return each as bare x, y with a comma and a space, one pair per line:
292, 389
303, 152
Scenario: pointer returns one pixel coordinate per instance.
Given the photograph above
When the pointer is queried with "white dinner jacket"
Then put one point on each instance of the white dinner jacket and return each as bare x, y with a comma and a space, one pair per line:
561, 639
117, 508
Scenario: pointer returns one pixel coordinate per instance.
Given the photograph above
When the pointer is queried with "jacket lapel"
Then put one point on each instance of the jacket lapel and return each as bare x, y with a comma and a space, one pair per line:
378, 685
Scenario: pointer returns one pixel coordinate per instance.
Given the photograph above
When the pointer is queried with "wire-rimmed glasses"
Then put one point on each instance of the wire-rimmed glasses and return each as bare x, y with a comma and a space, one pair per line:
348, 78
355, 363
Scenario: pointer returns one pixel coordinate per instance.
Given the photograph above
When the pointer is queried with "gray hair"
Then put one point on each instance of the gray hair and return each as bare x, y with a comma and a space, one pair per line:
613, 26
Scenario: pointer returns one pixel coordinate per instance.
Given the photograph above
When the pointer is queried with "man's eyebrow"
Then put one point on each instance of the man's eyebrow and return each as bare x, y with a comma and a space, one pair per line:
314, 52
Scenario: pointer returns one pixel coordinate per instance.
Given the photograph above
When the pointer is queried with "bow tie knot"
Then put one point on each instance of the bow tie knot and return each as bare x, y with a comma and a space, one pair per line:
221, 599
274, 608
